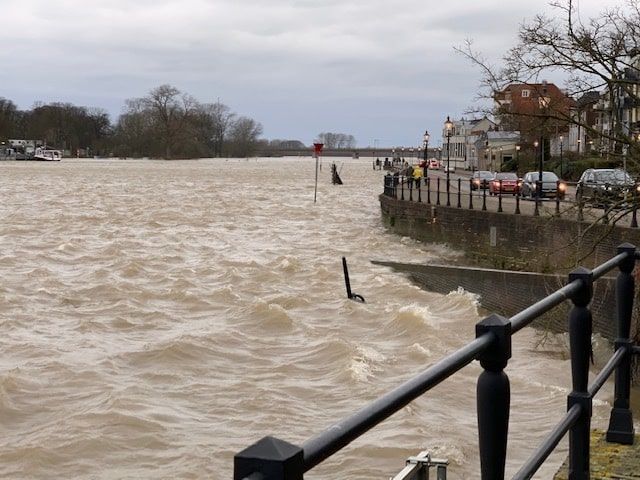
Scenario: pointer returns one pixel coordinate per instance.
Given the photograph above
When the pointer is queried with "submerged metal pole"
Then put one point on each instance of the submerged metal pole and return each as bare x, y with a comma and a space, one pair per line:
315, 188
347, 283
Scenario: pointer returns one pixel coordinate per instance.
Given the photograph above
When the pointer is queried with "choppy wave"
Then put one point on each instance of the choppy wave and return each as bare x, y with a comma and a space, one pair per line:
158, 317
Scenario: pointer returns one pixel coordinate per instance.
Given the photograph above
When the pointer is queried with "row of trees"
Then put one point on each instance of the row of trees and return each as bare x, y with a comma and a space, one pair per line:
334, 141
59, 124
164, 124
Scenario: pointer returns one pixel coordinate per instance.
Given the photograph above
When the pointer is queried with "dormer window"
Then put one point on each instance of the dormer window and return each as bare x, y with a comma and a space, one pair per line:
525, 93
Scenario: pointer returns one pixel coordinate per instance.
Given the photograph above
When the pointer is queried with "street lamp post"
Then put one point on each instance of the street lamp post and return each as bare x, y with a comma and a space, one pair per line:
561, 172
501, 157
448, 126
375, 150
517, 156
425, 144
539, 183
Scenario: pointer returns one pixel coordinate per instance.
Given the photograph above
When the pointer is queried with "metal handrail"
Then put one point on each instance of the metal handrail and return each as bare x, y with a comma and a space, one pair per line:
337, 436
492, 347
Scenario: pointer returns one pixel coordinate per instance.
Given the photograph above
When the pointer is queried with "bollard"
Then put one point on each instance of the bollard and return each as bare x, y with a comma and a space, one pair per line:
470, 194
410, 181
517, 212
558, 197
493, 397
536, 210
459, 192
580, 326
500, 196
438, 192
621, 420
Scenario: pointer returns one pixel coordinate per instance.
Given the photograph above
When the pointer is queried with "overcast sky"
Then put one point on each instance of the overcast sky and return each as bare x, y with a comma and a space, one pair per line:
375, 69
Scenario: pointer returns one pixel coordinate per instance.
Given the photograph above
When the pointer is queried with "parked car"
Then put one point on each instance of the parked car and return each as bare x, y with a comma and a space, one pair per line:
605, 186
450, 168
434, 164
480, 179
504, 182
551, 185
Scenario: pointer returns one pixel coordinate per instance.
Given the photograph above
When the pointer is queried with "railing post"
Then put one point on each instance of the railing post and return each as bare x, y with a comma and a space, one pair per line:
448, 191
580, 202
410, 189
536, 210
558, 197
459, 192
438, 193
484, 199
494, 397
429, 190
470, 194
401, 188
580, 325
621, 420
269, 459
517, 212
418, 181
500, 196
634, 214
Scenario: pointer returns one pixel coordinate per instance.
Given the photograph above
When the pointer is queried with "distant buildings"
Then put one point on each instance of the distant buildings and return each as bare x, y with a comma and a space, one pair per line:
525, 113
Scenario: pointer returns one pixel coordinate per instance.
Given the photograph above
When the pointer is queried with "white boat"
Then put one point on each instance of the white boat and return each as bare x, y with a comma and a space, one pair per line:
46, 154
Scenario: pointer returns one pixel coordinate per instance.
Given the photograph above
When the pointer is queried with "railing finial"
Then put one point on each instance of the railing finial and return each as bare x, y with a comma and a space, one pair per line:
275, 459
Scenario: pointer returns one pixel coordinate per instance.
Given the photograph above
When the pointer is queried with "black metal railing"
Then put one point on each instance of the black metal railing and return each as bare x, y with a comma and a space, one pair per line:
275, 459
601, 205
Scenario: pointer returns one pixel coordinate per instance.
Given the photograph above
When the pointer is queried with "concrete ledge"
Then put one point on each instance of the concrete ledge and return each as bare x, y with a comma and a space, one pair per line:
507, 292
609, 460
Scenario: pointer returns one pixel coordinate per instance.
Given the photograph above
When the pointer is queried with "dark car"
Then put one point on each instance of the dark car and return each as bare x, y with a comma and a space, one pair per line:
551, 185
605, 186
481, 179
506, 182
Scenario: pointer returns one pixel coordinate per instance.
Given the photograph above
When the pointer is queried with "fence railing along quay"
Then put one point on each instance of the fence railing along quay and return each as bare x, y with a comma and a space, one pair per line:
275, 459
459, 193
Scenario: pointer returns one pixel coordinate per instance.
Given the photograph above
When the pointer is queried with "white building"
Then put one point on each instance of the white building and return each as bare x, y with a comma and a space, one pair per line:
461, 141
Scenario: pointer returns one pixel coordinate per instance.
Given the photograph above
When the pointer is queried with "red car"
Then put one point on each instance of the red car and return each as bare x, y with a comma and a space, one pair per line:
504, 183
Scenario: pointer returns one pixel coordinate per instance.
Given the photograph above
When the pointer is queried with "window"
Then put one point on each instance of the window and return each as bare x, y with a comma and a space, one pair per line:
525, 93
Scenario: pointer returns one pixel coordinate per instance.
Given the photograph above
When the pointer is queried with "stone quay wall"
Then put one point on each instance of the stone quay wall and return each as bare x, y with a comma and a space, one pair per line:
494, 243
546, 244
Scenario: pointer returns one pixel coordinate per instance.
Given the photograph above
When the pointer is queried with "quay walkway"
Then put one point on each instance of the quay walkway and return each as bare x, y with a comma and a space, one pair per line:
433, 190
609, 461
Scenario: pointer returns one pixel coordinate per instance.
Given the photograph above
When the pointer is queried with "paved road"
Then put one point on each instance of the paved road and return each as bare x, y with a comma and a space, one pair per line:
507, 203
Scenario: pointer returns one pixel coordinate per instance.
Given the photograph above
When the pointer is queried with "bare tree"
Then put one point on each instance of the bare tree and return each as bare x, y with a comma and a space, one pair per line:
213, 122
599, 54
172, 111
337, 140
243, 137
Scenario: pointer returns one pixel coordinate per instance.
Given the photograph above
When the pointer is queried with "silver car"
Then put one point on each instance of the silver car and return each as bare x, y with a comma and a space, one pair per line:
551, 187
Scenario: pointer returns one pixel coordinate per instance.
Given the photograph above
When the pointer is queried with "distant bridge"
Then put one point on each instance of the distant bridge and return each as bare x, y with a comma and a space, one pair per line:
381, 153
